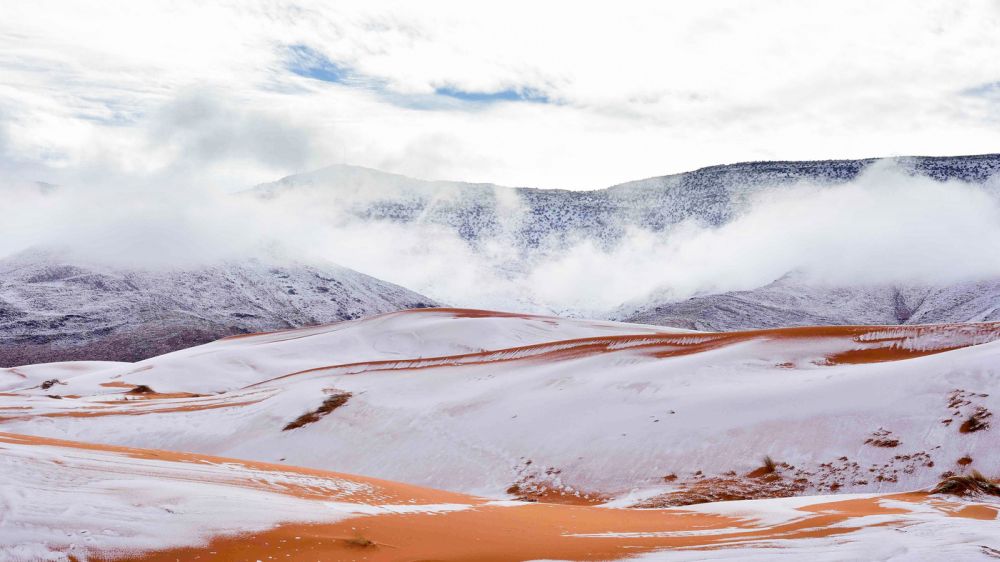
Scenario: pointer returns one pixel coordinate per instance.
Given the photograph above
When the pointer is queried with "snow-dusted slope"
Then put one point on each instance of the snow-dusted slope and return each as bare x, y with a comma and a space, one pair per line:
527, 241
548, 218
54, 307
792, 302
66, 500
28, 376
238, 361
490, 404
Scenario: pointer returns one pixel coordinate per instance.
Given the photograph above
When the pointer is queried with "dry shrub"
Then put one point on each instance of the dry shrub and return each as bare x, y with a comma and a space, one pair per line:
976, 421
967, 484
331, 403
361, 542
769, 467
141, 389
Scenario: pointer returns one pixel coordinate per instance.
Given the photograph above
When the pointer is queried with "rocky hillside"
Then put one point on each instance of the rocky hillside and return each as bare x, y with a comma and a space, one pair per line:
792, 302
546, 218
55, 308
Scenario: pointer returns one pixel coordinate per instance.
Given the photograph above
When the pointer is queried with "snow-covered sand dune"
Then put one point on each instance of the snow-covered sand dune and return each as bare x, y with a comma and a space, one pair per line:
534, 407
595, 429
64, 500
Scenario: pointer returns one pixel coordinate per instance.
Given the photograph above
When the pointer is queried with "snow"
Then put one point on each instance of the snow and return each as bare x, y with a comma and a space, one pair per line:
504, 239
57, 502
913, 537
62, 500
28, 376
240, 361
795, 301
55, 305
473, 402
603, 414
554, 217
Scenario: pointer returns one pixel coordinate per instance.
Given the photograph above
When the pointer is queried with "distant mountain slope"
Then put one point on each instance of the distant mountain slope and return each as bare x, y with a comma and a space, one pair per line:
533, 218
536, 226
790, 302
53, 308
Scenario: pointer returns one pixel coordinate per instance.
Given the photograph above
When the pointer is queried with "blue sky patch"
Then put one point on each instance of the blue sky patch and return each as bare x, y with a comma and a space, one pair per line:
989, 90
489, 97
310, 63
307, 62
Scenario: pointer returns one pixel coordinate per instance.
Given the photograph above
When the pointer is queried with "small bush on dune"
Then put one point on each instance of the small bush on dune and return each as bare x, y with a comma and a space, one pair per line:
967, 484
141, 389
769, 464
768, 469
330, 404
977, 421
361, 542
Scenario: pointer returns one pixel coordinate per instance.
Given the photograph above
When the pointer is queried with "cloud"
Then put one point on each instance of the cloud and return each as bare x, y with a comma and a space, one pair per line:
548, 98
200, 128
885, 227
149, 116
160, 195
309, 63
305, 61
506, 94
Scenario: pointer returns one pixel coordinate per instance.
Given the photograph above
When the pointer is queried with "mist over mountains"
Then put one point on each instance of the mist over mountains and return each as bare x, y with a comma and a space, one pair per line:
723, 228
750, 245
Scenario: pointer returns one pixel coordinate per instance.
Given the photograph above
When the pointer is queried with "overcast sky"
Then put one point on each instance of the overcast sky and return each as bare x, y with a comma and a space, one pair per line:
550, 94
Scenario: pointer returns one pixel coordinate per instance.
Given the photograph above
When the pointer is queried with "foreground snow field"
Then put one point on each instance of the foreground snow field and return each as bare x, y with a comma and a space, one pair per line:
64, 500
592, 420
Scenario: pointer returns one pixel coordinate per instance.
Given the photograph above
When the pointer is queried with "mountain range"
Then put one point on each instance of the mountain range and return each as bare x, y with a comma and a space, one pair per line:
270, 408
54, 307
549, 218
791, 301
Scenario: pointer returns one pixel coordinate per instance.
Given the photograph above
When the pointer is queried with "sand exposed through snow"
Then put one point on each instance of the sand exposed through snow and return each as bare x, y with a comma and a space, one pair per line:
489, 373
436, 526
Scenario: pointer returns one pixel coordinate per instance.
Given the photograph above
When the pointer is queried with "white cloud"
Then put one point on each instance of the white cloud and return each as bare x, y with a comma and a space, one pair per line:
885, 227
642, 88
149, 113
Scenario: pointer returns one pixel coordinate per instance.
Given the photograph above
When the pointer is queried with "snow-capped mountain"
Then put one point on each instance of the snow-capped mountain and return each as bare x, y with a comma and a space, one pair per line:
791, 301
547, 218
54, 307
534, 227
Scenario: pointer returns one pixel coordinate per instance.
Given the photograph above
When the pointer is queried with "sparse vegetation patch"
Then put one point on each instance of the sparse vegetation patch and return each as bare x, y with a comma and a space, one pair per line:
882, 438
141, 389
967, 484
977, 421
331, 403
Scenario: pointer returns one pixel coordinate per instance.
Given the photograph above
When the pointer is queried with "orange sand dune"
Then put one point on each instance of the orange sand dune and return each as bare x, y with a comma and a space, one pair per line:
158, 403
451, 312
495, 531
545, 531
869, 344
377, 489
